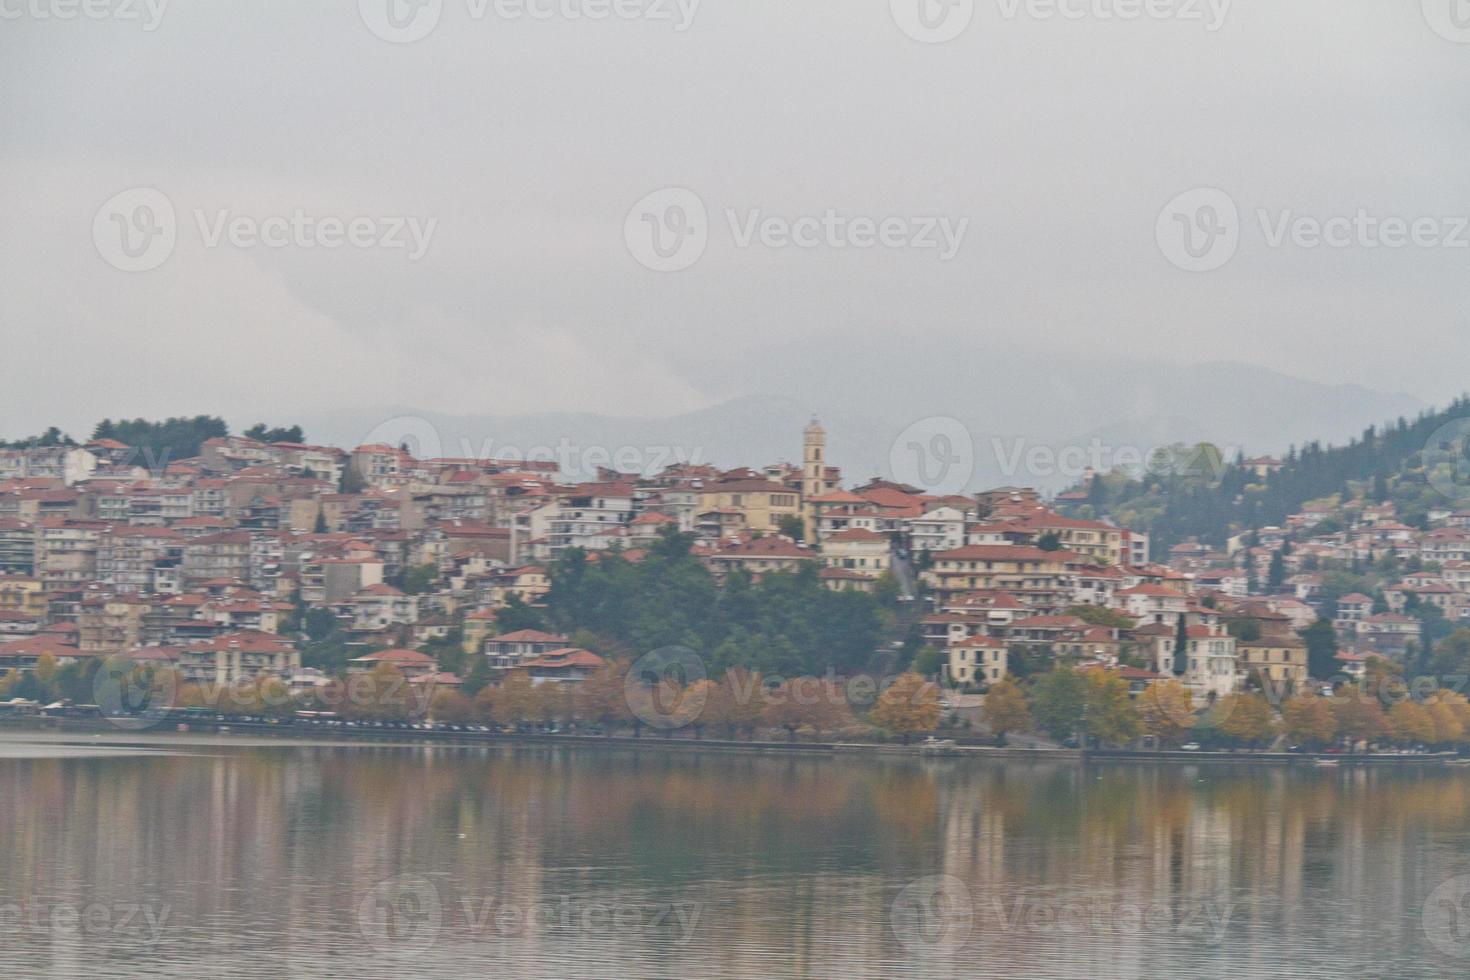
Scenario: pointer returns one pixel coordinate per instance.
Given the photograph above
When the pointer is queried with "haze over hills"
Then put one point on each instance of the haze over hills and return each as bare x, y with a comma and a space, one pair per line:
1006, 407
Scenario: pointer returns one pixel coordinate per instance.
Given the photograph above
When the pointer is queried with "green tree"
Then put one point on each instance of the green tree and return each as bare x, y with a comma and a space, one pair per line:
419, 579
1059, 702
1101, 616
1181, 645
260, 433
791, 526
1321, 640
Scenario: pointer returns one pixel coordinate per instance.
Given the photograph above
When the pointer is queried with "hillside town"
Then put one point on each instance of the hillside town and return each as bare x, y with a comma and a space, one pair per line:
223, 566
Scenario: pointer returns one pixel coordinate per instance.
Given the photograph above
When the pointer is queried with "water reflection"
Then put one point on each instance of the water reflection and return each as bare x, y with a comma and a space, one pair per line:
319, 861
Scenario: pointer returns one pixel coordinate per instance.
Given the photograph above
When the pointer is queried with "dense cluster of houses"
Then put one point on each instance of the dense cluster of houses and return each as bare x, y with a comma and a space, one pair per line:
207, 564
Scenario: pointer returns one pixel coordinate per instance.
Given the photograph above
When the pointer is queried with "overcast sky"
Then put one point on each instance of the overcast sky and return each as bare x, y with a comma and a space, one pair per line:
521, 146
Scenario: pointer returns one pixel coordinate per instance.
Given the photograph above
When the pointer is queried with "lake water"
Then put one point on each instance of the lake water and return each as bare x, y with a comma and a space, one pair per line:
320, 861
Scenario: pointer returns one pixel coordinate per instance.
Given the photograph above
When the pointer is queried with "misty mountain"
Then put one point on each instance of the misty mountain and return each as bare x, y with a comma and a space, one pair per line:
1011, 418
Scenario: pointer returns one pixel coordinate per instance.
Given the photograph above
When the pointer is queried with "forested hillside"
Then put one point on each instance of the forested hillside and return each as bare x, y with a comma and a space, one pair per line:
1190, 492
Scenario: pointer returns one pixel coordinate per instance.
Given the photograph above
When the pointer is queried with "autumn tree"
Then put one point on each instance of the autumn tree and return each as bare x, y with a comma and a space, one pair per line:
549, 703
1450, 712
1111, 716
381, 694
1412, 723
601, 698
1360, 718
911, 704
739, 702
451, 707
1308, 721
1166, 711
1246, 718
1004, 709
806, 702
514, 701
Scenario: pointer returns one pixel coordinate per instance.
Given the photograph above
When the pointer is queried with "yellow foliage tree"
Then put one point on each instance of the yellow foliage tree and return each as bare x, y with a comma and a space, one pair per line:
911, 704
739, 702
1246, 718
1004, 709
1308, 721
601, 699
1412, 723
452, 708
1360, 718
514, 701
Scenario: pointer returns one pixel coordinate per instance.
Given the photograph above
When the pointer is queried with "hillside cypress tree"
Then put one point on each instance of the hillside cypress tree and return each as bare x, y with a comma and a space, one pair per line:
1277, 574
1181, 645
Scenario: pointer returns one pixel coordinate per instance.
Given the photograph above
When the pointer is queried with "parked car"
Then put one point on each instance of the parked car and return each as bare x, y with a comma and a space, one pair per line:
1190, 747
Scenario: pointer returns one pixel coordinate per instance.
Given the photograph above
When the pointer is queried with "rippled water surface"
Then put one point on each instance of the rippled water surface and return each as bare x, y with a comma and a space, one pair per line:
319, 861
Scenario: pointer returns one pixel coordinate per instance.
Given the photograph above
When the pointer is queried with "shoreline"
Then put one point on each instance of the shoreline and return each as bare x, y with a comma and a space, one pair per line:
71, 733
